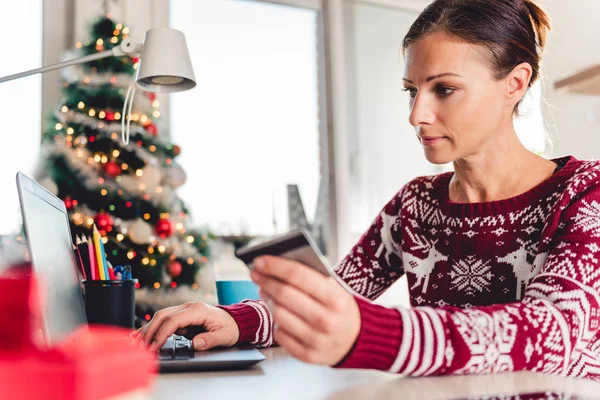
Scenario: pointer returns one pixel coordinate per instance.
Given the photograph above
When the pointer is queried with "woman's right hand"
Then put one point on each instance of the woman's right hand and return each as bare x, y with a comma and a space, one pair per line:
221, 329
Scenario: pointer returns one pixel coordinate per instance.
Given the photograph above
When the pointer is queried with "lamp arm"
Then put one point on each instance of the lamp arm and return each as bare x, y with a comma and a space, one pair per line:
129, 47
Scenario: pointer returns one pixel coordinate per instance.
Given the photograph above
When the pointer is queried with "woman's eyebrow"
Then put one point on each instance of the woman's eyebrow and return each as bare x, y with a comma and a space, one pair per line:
435, 77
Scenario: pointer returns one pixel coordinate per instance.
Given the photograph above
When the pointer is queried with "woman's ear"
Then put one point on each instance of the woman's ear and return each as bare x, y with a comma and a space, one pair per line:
517, 83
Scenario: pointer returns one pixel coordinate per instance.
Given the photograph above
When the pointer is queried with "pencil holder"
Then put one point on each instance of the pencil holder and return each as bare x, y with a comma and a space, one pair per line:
110, 302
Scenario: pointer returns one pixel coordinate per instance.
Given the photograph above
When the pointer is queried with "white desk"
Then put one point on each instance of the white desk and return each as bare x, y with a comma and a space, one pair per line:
283, 377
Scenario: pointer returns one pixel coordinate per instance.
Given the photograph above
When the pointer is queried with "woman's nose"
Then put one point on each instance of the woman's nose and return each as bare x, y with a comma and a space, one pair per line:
421, 112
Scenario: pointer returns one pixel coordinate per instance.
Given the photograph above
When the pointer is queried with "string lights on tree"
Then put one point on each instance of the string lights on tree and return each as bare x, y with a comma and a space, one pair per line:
128, 191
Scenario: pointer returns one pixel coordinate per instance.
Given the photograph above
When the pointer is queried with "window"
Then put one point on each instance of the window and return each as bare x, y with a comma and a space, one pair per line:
20, 103
251, 126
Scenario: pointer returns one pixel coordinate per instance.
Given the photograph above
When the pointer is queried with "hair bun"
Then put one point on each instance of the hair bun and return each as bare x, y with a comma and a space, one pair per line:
540, 22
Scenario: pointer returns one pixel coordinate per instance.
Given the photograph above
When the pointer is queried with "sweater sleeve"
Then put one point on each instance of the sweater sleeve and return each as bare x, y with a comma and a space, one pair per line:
254, 321
554, 329
375, 261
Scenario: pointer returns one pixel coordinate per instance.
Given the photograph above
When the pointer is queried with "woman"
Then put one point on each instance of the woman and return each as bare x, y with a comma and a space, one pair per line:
501, 256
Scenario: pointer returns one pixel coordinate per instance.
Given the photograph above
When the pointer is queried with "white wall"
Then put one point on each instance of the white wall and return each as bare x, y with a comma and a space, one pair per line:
383, 149
574, 44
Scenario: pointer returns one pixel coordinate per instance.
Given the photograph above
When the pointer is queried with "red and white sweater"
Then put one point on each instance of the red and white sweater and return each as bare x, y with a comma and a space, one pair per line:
498, 286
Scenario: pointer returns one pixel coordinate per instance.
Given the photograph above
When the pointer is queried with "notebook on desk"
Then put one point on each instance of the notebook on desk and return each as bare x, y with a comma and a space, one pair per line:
49, 240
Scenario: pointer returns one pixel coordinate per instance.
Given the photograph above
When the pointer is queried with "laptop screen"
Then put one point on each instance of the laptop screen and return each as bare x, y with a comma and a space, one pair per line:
49, 240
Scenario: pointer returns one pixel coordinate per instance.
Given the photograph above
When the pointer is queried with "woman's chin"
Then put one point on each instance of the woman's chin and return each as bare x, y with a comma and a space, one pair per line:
438, 157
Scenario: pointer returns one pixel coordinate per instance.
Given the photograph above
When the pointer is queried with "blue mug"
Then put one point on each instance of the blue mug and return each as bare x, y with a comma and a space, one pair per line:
234, 291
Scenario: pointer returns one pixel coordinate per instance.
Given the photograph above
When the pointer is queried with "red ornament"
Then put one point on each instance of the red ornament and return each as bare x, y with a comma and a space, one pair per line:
175, 269
110, 116
104, 222
68, 203
112, 168
151, 96
164, 228
135, 59
176, 150
152, 129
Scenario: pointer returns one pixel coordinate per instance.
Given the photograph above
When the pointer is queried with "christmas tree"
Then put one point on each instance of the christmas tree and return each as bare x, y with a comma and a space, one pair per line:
127, 191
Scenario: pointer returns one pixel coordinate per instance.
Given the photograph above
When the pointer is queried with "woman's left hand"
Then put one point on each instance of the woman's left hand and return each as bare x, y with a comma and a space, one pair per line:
317, 320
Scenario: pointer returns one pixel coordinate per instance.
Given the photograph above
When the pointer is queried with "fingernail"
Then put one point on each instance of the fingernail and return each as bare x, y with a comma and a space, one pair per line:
259, 263
200, 343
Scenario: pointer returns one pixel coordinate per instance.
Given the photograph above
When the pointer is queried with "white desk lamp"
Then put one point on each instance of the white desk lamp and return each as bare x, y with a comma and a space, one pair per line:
164, 66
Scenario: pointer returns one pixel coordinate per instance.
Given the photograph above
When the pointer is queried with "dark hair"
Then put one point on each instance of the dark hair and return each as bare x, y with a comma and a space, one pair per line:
512, 31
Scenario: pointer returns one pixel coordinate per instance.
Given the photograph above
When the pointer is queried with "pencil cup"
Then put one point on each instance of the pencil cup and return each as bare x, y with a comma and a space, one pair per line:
110, 302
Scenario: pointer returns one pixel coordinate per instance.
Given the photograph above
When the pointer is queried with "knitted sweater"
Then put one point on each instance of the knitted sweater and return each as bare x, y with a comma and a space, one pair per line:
497, 286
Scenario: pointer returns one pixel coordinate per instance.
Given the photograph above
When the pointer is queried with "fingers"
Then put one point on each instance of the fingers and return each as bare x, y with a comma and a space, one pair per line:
147, 332
294, 347
297, 274
296, 327
301, 305
136, 333
208, 340
192, 315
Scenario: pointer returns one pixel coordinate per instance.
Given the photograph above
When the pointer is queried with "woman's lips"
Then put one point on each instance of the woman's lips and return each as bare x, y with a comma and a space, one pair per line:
431, 141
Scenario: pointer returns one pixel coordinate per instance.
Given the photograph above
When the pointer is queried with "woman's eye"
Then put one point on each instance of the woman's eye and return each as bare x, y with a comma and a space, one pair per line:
411, 91
444, 90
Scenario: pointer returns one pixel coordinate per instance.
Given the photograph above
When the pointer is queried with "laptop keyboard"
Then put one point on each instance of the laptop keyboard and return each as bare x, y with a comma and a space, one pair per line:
176, 348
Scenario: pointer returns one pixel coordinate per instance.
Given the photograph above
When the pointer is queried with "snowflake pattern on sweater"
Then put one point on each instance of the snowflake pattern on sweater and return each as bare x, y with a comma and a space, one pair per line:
498, 286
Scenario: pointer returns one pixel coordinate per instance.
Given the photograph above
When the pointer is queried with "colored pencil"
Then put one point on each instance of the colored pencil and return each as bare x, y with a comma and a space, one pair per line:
78, 254
104, 261
84, 251
92, 258
98, 251
78, 261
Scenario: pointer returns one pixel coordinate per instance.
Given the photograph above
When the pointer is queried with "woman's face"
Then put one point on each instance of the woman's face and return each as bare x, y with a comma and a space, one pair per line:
456, 106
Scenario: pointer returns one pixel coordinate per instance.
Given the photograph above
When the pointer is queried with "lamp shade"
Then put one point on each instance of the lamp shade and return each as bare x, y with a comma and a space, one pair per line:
165, 64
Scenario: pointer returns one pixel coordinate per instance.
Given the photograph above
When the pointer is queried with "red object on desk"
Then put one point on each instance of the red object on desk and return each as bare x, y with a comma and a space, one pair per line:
92, 363
18, 310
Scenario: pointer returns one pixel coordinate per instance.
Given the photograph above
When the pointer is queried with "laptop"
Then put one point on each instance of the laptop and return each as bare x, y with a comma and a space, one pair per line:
49, 239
